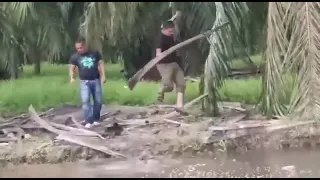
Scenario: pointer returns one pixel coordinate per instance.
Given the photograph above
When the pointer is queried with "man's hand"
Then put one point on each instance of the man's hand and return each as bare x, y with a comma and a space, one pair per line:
72, 69
102, 72
158, 52
103, 79
72, 80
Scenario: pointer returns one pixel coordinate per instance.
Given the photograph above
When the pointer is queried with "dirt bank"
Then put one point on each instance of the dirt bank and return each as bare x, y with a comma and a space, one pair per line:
149, 132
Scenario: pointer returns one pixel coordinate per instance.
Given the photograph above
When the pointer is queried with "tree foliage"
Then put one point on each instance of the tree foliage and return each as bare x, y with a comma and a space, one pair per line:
45, 31
287, 33
292, 55
37, 31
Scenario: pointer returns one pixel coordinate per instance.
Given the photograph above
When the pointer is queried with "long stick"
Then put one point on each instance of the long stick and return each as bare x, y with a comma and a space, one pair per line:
136, 78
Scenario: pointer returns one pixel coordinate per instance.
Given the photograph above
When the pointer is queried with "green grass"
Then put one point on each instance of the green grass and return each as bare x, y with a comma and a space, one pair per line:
52, 89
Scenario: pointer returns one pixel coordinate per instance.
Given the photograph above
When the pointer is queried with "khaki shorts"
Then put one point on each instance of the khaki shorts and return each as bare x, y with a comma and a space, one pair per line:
171, 73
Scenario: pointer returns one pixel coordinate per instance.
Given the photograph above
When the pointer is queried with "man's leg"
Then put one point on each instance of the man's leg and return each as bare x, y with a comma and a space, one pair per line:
85, 99
180, 85
166, 72
97, 100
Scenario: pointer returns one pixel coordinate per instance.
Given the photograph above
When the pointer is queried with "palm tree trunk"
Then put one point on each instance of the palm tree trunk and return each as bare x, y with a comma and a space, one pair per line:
36, 57
14, 71
37, 66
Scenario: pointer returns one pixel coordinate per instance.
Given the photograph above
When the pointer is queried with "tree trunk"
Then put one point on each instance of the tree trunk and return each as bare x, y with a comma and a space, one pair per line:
37, 66
14, 70
36, 58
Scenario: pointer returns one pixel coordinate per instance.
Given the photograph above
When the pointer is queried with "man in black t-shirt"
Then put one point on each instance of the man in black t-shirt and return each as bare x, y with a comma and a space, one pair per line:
169, 68
91, 72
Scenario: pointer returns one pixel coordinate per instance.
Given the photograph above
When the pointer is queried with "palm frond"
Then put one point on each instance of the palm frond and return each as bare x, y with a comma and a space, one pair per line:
218, 62
277, 44
293, 46
303, 52
286, 49
11, 49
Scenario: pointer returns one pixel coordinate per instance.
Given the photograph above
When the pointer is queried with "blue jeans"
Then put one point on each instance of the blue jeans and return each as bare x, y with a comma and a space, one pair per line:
91, 88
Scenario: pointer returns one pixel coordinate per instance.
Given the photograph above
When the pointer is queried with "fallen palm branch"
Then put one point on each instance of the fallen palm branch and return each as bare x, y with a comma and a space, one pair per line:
8, 139
76, 131
65, 129
173, 113
176, 122
136, 78
194, 101
71, 136
50, 126
228, 105
78, 125
249, 130
83, 142
154, 120
186, 106
12, 122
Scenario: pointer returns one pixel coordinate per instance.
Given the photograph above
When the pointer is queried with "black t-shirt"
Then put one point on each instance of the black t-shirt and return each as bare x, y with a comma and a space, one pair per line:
165, 42
87, 64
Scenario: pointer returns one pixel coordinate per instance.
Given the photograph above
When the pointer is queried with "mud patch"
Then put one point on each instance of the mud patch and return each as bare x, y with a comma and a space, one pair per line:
44, 150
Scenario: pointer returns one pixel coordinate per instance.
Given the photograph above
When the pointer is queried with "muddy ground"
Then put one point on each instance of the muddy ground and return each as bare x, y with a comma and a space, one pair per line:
153, 132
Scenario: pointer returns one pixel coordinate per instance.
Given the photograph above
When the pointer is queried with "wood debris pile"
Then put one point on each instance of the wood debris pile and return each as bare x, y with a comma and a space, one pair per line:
233, 125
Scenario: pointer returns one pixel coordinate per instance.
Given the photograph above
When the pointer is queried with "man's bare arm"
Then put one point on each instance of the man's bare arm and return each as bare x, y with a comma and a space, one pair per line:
158, 51
101, 69
72, 70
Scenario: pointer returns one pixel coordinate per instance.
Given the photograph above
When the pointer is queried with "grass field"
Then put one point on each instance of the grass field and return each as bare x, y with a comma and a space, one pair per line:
52, 89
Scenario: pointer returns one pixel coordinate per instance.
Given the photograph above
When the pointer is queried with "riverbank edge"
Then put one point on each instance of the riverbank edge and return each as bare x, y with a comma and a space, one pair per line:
46, 151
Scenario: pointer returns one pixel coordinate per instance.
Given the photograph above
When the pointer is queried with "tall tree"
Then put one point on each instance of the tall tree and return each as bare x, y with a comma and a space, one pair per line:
292, 60
40, 32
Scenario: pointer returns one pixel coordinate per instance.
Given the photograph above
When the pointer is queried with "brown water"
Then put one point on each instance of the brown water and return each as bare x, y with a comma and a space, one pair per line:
252, 164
